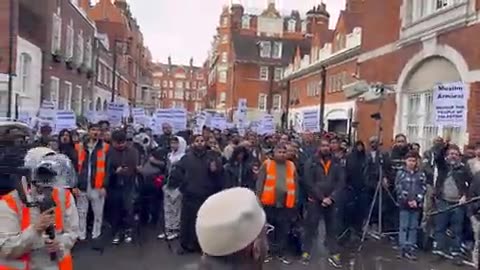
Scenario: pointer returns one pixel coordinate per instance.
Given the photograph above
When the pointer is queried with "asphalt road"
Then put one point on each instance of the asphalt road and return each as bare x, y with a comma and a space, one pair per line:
154, 255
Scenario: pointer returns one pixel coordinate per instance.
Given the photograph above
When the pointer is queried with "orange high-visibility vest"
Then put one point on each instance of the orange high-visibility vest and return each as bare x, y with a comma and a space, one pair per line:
268, 197
23, 263
100, 165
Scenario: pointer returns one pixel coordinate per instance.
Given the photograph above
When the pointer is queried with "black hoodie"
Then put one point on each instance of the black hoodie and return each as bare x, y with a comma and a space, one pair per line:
355, 166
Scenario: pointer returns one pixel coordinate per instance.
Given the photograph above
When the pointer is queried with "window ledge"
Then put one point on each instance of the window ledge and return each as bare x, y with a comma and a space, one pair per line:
439, 21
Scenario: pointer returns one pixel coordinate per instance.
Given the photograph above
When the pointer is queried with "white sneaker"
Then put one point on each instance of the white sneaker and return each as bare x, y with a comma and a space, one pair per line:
161, 236
172, 236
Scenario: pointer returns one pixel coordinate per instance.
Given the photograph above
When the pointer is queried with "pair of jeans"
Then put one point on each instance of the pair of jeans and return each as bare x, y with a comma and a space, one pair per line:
281, 219
452, 219
407, 235
314, 213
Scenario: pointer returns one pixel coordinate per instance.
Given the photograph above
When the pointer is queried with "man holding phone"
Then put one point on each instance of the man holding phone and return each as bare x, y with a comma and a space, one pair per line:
122, 172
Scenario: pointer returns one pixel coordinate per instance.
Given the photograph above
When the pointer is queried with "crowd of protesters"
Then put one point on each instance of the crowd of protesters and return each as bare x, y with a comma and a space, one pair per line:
300, 179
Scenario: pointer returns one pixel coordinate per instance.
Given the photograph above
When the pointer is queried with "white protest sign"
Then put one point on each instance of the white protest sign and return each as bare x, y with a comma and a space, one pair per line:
46, 114
450, 103
200, 121
311, 122
65, 120
267, 125
179, 119
139, 116
115, 113
218, 122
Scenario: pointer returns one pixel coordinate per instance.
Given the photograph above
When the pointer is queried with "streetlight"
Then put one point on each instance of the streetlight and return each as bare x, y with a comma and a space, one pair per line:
11, 58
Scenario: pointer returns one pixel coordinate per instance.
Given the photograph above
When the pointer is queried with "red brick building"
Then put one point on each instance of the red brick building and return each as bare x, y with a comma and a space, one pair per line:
248, 55
180, 86
411, 47
53, 53
115, 19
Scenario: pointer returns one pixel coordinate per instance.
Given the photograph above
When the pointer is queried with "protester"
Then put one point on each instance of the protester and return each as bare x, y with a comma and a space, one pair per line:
451, 188
92, 180
324, 181
122, 164
239, 171
172, 196
410, 186
198, 174
277, 188
66, 145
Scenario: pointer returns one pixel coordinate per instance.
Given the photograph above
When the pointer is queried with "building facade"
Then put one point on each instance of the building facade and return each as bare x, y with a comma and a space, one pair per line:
180, 86
104, 80
115, 19
430, 44
68, 49
248, 55
52, 54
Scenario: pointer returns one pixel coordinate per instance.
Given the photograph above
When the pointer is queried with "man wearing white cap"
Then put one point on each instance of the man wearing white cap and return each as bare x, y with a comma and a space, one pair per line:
231, 231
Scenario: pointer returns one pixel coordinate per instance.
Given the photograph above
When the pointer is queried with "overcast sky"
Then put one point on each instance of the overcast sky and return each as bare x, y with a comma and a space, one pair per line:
184, 28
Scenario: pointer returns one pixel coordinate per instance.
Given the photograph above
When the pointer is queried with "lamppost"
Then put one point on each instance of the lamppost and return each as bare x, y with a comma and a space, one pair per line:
11, 57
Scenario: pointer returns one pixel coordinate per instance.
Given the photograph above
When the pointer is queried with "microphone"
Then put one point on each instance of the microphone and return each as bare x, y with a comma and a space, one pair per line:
45, 205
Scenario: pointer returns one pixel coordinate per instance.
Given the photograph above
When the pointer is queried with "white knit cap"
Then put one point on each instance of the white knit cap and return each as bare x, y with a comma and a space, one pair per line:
229, 221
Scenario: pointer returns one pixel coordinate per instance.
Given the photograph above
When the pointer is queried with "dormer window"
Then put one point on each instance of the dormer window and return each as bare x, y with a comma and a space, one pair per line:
265, 49
224, 21
304, 26
292, 25
246, 22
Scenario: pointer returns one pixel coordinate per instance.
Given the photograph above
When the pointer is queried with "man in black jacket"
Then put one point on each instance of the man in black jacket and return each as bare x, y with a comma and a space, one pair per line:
451, 188
199, 175
324, 181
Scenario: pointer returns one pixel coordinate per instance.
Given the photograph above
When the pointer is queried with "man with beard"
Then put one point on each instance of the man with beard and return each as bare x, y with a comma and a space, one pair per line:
199, 175
163, 140
451, 188
231, 230
277, 189
324, 181
123, 160
92, 180
396, 162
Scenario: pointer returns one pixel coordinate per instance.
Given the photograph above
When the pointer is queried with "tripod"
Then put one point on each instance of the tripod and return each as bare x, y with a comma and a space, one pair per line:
378, 195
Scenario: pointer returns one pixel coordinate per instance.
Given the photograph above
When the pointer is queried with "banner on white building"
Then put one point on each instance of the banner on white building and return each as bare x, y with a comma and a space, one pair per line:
450, 104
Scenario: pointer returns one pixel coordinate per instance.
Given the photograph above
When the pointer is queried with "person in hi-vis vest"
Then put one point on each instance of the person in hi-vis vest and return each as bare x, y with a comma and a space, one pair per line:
277, 189
35, 238
92, 180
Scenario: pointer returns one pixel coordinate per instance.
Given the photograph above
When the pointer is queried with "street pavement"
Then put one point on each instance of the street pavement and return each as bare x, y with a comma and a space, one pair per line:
155, 254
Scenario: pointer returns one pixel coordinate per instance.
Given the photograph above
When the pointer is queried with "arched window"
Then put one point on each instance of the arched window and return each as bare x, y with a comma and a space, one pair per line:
25, 65
105, 105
